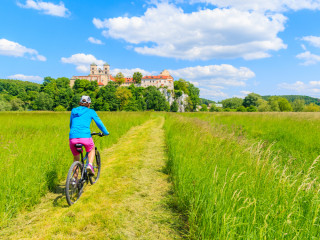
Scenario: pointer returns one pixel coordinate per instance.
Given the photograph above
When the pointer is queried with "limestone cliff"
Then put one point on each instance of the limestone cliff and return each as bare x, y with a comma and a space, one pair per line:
182, 100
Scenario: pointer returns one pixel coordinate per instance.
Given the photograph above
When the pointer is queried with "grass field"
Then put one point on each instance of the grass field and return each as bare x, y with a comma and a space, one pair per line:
234, 175
246, 176
35, 154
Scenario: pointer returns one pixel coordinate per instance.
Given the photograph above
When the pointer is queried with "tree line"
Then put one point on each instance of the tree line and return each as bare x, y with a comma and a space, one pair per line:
255, 103
57, 95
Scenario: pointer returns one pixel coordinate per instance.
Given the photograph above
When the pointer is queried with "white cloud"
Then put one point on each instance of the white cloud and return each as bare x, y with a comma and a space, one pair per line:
263, 5
308, 58
9, 48
311, 88
212, 94
212, 79
129, 72
165, 30
245, 92
82, 61
47, 7
314, 41
26, 78
196, 84
314, 83
95, 41
215, 74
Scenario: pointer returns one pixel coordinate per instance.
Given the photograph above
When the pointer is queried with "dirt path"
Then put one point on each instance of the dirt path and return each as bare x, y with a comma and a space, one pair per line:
128, 202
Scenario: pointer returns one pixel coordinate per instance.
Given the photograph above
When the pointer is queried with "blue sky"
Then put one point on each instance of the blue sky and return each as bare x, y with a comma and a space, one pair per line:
226, 48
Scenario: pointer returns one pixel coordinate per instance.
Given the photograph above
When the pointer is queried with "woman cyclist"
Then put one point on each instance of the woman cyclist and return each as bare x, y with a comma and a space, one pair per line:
80, 121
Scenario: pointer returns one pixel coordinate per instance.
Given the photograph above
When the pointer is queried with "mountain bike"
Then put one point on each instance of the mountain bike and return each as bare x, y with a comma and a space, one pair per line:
78, 177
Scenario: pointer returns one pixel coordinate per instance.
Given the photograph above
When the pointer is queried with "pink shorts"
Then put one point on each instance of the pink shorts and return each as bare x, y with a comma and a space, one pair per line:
87, 143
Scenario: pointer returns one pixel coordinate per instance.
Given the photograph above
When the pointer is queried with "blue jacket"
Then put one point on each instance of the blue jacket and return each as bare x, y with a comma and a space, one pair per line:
80, 121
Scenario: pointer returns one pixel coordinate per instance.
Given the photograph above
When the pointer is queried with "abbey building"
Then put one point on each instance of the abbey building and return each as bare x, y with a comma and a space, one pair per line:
103, 76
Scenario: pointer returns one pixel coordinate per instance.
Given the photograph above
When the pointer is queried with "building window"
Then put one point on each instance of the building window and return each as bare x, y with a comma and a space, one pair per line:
92, 72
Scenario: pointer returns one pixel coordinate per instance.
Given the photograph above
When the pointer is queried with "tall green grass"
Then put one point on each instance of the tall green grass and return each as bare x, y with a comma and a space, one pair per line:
232, 188
295, 136
35, 154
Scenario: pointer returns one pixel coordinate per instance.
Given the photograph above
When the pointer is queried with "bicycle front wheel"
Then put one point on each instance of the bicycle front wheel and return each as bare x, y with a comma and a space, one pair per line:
73, 183
96, 167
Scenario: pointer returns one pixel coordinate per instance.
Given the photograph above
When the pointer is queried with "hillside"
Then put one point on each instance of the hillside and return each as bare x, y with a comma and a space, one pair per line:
291, 98
206, 101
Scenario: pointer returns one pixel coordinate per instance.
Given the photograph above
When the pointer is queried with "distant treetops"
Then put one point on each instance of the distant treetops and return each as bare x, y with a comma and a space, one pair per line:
254, 102
57, 95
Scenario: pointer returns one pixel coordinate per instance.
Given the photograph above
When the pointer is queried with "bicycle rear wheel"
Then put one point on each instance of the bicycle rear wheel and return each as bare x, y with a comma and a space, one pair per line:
96, 167
73, 184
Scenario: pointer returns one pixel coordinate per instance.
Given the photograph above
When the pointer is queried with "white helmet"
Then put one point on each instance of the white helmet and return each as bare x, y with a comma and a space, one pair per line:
85, 99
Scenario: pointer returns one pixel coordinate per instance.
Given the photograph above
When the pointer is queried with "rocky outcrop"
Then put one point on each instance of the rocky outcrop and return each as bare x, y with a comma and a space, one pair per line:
182, 100
167, 94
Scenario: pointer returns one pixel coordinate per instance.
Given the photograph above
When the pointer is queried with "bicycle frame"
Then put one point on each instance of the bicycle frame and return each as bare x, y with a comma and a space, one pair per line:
84, 176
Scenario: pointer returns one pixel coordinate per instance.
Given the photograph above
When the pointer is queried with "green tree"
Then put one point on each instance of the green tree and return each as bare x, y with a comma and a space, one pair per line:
263, 106
155, 100
241, 109
137, 100
194, 96
123, 94
274, 104
312, 107
142, 105
60, 109
182, 85
251, 100
63, 97
137, 76
119, 78
5, 106
75, 101
232, 103
132, 105
174, 107
43, 102
213, 108
100, 105
47, 80
284, 105
85, 87
298, 105
16, 104
204, 108
108, 94
252, 109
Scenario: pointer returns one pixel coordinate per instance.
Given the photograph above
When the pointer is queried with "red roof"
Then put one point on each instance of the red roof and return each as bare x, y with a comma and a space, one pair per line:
157, 77
128, 80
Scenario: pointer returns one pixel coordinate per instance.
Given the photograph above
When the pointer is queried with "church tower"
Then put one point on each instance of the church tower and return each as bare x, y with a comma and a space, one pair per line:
106, 74
93, 69
106, 69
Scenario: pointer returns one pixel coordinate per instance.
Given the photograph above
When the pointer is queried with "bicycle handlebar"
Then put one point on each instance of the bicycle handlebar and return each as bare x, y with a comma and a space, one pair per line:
98, 134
